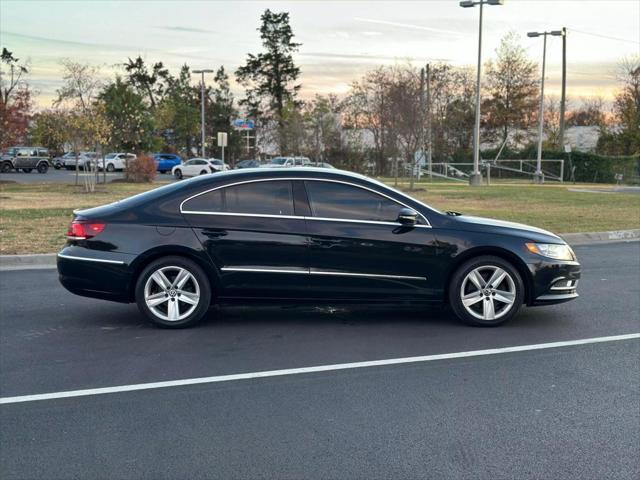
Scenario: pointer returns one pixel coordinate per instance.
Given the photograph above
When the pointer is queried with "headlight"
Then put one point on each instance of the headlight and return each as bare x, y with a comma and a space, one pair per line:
552, 250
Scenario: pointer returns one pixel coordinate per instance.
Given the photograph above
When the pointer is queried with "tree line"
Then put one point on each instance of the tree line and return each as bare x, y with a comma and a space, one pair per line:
383, 117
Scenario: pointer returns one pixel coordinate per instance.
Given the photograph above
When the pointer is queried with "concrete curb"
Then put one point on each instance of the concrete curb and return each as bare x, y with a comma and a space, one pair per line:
27, 262
601, 237
39, 261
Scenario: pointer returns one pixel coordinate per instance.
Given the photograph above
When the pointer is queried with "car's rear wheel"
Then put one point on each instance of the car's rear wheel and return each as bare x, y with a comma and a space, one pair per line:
111, 167
43, 167
163, 172
178, 174
486, 291
173, 292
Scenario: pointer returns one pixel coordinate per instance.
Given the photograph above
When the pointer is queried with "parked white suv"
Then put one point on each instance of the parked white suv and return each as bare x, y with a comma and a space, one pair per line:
116, 161
191, 168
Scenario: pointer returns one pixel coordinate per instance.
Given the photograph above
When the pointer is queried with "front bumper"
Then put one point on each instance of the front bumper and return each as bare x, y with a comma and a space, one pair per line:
554, 282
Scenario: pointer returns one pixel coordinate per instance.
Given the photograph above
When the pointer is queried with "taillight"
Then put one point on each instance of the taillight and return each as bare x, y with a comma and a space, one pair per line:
83, 229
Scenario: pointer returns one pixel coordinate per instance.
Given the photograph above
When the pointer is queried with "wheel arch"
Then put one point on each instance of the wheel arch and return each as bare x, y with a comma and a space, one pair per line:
502, 253
203, 261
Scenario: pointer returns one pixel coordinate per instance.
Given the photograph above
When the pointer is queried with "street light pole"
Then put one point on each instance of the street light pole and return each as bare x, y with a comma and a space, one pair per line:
475, 179
538, 176
202, 72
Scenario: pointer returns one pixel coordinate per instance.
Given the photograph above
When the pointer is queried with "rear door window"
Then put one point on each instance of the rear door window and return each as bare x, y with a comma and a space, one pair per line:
260, 198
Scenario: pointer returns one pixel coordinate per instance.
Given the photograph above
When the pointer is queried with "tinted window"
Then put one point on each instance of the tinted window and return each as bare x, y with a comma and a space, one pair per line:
336, 200
208, 202
267, 198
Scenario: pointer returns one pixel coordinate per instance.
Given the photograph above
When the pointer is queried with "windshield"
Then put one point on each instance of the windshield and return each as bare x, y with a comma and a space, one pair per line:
278, 161
111, 155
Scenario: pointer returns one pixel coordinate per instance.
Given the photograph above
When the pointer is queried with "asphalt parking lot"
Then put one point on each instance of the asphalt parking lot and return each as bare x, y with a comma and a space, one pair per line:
570, 411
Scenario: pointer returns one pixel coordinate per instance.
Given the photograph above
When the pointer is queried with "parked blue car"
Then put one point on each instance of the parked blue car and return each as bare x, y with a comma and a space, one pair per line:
166, 161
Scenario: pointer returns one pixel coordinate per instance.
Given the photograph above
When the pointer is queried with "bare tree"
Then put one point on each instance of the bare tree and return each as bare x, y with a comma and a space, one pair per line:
512, 85
16, 71
591, 112
367, 108
81, 84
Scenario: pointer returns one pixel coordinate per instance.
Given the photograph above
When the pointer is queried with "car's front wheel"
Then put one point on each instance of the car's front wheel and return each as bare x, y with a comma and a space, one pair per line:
486, 291
173, 292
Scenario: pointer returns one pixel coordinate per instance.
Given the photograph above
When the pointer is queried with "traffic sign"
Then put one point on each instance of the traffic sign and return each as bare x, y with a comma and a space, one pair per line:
242, 124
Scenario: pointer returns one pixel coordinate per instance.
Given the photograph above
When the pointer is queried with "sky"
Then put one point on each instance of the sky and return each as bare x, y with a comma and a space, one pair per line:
340, 39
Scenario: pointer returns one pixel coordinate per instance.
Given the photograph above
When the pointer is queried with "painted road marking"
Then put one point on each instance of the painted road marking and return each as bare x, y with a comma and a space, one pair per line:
319, 368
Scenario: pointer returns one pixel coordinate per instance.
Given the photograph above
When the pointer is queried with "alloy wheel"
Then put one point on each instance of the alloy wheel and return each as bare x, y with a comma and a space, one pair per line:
488, 292
172, 293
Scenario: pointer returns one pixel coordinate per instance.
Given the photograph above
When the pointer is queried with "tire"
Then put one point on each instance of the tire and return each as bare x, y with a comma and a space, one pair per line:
178, 174
491, 305
111, 168
6, 167
203, 172
170, 310
27, 170
70, 168
162, 171
43, 167
57, 166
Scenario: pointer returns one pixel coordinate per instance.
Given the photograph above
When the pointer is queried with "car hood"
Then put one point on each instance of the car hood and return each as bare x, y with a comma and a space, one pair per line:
491, 225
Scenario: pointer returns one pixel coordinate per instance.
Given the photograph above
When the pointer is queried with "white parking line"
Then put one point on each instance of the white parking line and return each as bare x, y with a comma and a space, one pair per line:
319, 368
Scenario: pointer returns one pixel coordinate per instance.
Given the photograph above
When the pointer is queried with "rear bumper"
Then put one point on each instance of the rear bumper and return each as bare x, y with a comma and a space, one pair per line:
96, 274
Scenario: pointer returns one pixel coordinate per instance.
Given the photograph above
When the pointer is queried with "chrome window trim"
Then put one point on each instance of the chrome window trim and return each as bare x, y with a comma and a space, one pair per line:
311, 271
197, 212
87, 259
229, 214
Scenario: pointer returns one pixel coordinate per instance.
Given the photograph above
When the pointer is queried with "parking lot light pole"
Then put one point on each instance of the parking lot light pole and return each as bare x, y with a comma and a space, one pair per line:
538, 176
202, 72
475, 179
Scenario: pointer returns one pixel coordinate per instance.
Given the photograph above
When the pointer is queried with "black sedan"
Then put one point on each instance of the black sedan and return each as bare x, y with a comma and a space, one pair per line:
307, 235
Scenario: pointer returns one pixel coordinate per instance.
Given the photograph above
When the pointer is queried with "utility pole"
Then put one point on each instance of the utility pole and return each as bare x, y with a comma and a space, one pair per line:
563, 95
539, 176
475, 179
420, 131
202, 72
429, 138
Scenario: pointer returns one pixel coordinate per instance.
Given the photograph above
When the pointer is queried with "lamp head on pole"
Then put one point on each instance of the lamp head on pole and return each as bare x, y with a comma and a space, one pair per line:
533, 34
557, 33
202, 71
467, 4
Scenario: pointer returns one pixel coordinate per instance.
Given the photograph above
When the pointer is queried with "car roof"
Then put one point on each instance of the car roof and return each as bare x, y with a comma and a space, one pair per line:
299, 172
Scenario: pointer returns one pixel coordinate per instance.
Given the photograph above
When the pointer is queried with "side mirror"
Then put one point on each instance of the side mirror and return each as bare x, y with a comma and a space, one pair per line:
408, 217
